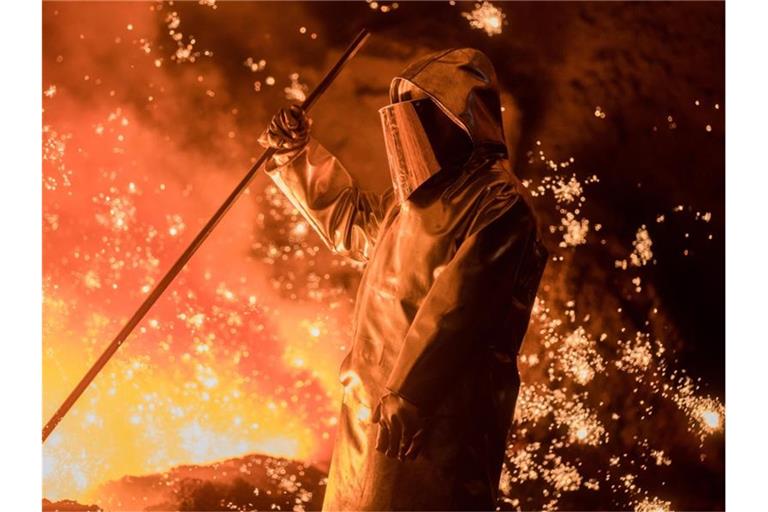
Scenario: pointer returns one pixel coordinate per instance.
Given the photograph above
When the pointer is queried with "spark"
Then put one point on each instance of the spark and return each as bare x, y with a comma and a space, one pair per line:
184, 50
642, 252
487, 17
121, 211
255, 65
653, 505
296, 91
636, 355
599, 112
54, 152
384, 7
175, 224
92, 280
660, 458
579, 357
711, 419
567, 192
574, 230
300, 229
705, 413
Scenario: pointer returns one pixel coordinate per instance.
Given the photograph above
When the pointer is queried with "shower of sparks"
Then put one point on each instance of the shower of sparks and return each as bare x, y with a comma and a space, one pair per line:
185, 49
568, 194
54, 146
241, 354
554, 415
579, 358
642, 253
574, 230
487, 17
653, 505
565, 371
706, 414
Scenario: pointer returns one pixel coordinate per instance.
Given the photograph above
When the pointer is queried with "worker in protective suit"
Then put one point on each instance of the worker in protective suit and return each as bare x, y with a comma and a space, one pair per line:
453, 261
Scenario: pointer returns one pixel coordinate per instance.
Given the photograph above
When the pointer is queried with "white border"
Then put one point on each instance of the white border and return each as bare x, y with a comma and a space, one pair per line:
20, 255
746, 286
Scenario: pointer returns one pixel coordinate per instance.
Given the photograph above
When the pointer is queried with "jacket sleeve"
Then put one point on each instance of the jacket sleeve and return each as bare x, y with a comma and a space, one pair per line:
321, 189
480, 300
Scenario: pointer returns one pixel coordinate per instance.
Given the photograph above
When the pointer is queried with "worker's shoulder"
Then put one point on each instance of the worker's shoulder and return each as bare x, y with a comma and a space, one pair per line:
499, 191
492, 197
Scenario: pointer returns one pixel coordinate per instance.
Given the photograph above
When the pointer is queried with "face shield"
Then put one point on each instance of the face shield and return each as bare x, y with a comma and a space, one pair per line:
421, 140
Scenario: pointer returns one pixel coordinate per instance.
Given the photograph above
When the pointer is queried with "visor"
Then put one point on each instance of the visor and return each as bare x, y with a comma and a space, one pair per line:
421, 141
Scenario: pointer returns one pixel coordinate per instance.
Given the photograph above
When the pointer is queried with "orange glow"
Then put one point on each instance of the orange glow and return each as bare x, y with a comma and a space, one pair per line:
229, 361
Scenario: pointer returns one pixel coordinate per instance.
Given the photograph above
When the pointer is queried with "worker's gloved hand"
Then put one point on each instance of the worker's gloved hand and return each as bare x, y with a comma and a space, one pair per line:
288, 131
401, 427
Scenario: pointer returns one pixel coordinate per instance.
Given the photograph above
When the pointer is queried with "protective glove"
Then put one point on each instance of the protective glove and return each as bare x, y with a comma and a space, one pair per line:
401, 427
288, 132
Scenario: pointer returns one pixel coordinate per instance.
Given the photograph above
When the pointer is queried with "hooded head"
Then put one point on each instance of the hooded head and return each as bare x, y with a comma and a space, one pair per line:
444, 107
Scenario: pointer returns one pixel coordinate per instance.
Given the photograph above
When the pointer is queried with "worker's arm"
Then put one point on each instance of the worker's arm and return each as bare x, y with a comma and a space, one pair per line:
321, 189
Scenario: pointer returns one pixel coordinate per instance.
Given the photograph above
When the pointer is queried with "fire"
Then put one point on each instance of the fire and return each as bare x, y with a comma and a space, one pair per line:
196, 382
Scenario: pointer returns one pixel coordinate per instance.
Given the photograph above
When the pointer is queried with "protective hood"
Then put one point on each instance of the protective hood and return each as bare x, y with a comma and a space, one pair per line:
445, 107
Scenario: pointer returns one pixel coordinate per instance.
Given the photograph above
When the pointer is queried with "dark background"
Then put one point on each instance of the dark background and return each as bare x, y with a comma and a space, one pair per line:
639, 61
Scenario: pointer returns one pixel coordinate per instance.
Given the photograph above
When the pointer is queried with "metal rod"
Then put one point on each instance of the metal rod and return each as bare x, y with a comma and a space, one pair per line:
155, 294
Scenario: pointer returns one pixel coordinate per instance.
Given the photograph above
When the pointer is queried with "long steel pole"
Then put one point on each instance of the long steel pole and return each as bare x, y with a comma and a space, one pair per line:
155, 294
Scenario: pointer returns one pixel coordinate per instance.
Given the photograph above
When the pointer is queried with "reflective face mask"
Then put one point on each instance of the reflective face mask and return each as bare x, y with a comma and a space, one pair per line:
421, 140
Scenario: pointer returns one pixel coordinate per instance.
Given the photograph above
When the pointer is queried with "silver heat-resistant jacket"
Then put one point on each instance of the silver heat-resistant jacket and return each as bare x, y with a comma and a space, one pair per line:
450, 278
